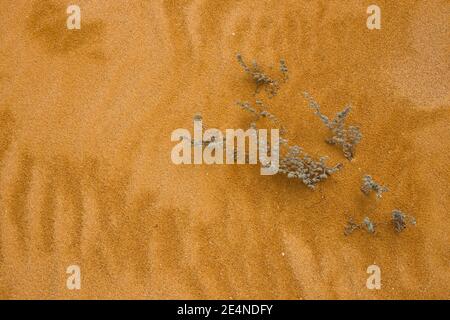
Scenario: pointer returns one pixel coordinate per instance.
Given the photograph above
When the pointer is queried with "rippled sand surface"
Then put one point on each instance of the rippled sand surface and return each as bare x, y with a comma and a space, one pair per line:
85, 170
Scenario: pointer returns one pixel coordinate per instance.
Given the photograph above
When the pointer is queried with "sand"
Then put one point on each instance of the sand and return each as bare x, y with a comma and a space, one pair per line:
86, 176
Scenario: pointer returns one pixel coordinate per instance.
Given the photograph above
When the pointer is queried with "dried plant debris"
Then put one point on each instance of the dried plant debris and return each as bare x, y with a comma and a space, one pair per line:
400, 220
367, 225
262, 79
351, 226
345, 136
205, 143
284, 70
259, 112
294, 162
368, 185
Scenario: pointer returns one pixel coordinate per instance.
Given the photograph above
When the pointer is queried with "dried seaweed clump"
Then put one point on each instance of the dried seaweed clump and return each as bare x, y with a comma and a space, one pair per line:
294, 162
368, 185
262, 79
367, 225
347, 137
400, 220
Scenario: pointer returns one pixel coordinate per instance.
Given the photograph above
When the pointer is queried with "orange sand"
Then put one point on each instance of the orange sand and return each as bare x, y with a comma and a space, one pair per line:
85, 170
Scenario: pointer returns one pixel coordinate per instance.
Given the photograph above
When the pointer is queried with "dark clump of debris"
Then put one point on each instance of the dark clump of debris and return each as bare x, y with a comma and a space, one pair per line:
261, 78
400, 220
369, 185
345, 136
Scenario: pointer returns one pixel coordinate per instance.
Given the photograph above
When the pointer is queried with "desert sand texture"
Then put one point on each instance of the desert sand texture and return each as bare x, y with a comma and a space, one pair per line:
86, 176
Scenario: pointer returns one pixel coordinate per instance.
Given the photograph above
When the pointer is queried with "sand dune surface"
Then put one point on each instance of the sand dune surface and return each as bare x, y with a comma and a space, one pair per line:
86, 176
